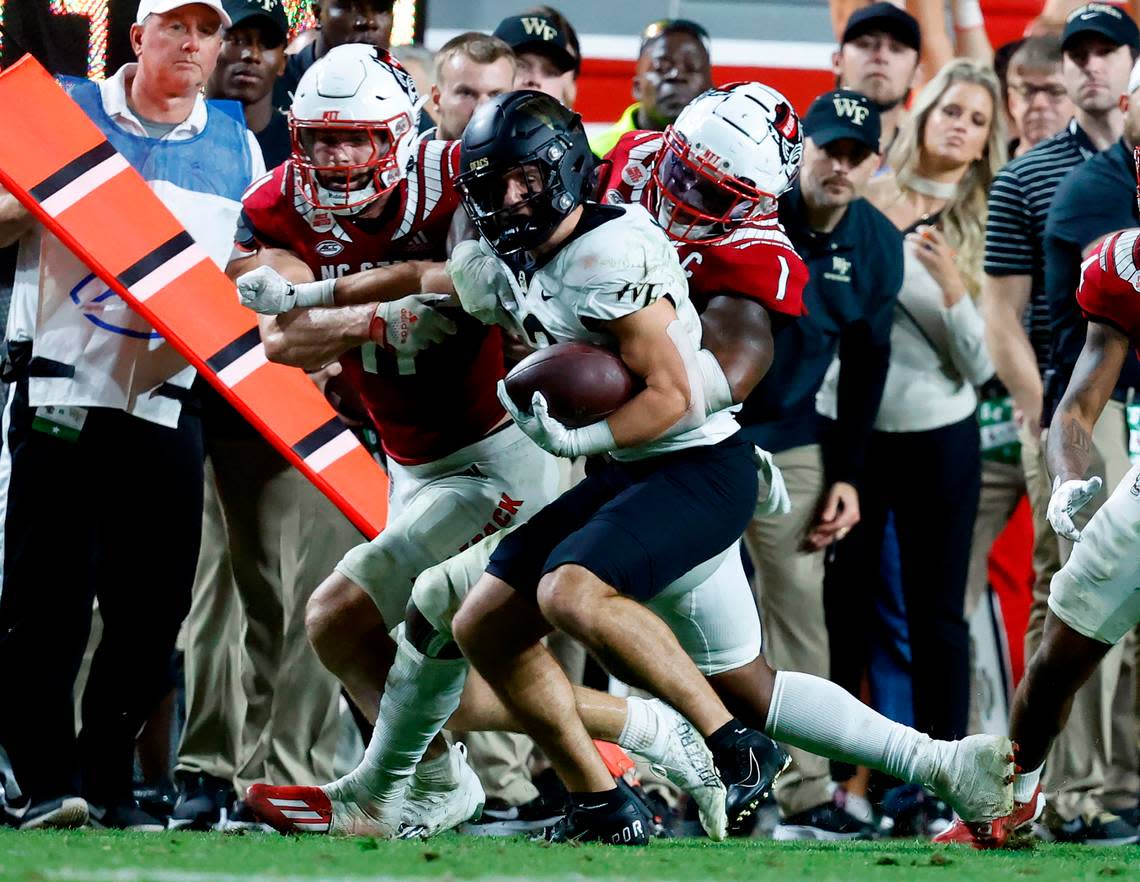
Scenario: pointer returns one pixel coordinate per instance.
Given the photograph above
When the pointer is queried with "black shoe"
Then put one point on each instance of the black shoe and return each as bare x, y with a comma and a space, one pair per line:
499, 818
629, 823
1104, 830
64, 813
748, 765
1130, 816
909, 811
157, 800
203, 802
827, 822
125, 816
241, 819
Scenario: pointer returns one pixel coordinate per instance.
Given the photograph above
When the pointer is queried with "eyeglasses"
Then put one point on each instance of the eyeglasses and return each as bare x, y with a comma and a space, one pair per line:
1054, 91
655, 29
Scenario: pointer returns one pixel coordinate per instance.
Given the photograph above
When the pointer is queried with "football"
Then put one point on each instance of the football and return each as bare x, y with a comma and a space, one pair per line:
581, 383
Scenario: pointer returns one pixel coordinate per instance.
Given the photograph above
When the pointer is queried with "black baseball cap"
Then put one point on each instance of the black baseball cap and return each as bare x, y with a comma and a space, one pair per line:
1110, 22
269, 14
843, 113
537, 33
885, 17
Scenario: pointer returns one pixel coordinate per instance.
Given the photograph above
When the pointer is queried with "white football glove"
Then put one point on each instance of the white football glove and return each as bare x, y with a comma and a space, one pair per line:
480, 281
266, 291
774, 497
551, 435
406, 327
1068, 498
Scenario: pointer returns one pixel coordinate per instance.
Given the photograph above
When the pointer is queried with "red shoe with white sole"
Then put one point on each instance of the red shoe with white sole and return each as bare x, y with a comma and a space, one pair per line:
993, 834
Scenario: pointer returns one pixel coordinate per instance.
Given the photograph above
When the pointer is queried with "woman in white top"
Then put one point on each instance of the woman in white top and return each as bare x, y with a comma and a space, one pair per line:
923, 461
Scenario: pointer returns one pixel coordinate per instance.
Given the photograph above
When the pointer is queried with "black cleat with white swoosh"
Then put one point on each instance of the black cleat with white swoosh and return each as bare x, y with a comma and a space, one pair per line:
748, 764
622, 820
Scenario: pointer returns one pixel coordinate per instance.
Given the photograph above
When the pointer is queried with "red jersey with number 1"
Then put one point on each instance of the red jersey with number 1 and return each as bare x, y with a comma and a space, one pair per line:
1110, 284
449, 401
756, 261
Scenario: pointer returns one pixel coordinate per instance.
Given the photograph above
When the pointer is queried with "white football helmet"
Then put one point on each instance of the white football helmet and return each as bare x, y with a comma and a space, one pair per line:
727, 158
353, 88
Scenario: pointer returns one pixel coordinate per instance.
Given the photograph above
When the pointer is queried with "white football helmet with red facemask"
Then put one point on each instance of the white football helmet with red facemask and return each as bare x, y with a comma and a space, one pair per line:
727, 158
354, 89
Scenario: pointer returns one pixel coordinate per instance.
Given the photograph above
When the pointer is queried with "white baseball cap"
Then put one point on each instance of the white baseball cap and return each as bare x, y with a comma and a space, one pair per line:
1134, 79
157, 7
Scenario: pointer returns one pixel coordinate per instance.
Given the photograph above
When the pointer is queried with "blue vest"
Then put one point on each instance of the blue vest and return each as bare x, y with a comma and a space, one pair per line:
215, 161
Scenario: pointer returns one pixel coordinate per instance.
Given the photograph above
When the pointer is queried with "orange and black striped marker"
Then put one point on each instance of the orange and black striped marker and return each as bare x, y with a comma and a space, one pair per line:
57, 162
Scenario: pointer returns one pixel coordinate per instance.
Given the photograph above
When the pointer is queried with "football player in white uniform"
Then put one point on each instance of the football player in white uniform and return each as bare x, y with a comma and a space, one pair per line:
713, 616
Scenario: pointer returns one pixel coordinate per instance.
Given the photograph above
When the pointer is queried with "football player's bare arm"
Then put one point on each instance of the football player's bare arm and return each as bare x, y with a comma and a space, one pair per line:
1004, 299
311, 338
738, 332
1070, 446
650, 352
15, 220
384, 284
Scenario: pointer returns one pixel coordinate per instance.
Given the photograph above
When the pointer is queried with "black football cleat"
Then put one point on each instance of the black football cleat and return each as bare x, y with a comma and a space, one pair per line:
748, 765
628, 824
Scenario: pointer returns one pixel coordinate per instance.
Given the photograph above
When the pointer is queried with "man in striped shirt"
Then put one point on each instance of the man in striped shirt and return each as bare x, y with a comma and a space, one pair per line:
1099, 45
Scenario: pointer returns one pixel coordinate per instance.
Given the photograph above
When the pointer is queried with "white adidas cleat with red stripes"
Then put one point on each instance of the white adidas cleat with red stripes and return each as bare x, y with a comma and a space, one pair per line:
299, 809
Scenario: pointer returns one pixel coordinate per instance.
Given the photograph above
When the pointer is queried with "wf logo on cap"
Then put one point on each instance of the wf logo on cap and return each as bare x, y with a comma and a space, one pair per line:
851, 109
539, 27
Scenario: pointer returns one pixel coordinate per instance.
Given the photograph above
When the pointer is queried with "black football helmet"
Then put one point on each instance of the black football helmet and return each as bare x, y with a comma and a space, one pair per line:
544, 143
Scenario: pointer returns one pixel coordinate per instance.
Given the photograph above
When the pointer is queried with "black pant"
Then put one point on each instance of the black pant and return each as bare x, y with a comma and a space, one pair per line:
931, 482
115, 515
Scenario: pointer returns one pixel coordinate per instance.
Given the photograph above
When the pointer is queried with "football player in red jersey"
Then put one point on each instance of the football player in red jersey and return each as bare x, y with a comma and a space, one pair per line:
360, 192
1094, 599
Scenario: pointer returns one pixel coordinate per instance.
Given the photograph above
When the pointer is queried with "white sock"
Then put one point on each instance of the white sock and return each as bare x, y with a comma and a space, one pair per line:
818, 716
640, 729
439, 773
419, 696
1025, 783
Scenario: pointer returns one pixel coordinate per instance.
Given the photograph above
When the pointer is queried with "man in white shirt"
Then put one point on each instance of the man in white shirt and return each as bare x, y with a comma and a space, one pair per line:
101, 468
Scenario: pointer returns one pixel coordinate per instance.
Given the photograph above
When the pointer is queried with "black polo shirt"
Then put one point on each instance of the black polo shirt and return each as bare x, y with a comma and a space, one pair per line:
1096, 198
855, 273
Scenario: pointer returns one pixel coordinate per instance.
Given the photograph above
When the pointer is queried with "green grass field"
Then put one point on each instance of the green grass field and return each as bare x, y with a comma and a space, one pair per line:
96, 856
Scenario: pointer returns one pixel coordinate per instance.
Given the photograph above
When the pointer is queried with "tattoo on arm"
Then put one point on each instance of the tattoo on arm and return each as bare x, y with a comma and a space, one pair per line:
1076, 445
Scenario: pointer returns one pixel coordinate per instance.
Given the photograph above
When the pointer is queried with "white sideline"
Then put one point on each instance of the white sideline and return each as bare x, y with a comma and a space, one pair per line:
142, 874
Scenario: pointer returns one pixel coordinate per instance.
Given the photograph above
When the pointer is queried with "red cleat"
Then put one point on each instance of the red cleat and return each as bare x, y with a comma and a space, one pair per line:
993, 834
291, 809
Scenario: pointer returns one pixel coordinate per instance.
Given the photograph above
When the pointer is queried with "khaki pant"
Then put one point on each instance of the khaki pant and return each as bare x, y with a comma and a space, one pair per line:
260, 706
1093, 763
789, 587
1003, 485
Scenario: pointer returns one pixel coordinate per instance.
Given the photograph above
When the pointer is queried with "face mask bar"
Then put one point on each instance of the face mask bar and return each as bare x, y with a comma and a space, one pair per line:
699, 202
348, 188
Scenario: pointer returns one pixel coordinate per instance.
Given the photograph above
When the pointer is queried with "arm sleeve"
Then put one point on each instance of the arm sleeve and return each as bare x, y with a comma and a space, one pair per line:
967, 335
864, 357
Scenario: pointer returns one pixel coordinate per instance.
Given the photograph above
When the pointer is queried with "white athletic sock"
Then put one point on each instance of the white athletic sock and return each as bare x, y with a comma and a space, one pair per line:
818, 716
419, 696
640, 729
439, 773
1025, 783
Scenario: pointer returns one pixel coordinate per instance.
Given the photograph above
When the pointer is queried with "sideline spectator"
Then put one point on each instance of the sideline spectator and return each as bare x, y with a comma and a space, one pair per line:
469, 70
673, 68
944, 159
545, 60
854, 256
251, 60
1098, 47
878, 56
1036, 98
129, 469
260, 706
338, 22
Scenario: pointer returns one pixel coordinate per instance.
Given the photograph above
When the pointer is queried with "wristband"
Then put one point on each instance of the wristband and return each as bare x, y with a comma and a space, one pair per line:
718, 392
309, 294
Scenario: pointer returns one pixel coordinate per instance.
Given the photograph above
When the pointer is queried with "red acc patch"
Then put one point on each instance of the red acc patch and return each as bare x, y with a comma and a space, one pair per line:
634, 174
